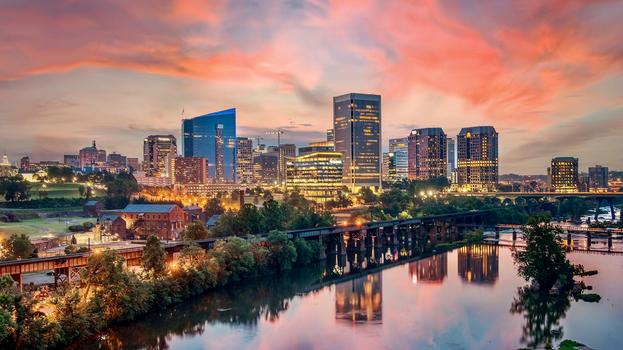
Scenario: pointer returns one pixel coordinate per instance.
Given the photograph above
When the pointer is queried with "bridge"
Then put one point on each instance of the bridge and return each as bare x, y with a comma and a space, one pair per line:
598, 197
335, 240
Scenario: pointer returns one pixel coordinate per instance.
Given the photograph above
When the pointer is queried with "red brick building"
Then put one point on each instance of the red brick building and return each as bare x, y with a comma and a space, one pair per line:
166, 221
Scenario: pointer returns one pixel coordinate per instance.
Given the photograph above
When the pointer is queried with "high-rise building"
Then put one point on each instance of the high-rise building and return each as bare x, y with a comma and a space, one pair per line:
317, 176
101, 156
286, 152
213, 136
400, 148
265, 168
117, 160
322, 146
427, 154
477, 159
357, 129
188, 170
389, 167
598, 178
72, 160
133, 164
244, 160
88, 156
451, 152
330, 135
157, 150
24, 163
564, 174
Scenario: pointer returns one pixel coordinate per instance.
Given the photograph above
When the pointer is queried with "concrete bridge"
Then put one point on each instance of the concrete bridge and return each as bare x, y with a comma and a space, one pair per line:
335, 240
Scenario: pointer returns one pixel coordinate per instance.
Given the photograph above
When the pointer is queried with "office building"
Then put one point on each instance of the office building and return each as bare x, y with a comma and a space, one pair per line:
88, 156
477, 159
265, 168
317, 176
24, 163
188, 170
321, 146
357, 130
213, 136
101, 156
564, 175
389, 167
116, 160
286, 152
427, 154
451, 152
133, 164
72, 160
598, 178
330, 135
400, 148
157, 151
244, 160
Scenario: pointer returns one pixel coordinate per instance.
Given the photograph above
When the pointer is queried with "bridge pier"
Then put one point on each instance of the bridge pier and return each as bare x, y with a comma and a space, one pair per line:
322, 254
598, 200
609, 241
613, 214
497, 232
588, 239
514, 234
568, 238
341, 246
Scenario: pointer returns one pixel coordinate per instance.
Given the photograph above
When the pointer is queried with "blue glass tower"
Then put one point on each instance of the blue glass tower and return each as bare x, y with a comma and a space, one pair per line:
213, 136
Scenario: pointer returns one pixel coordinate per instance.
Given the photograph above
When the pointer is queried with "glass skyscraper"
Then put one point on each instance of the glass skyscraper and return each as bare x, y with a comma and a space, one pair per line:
213, 136
357, 130
400, 149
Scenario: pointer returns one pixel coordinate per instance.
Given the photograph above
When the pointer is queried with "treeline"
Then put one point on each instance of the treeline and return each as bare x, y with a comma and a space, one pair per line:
108, 293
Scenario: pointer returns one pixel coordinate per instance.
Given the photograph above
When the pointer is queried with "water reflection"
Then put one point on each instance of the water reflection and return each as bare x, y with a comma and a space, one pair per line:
479, 263
430, 270
360, 300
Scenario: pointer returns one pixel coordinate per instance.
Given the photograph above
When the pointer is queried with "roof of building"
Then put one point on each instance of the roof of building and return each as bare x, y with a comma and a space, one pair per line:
111, 217
192, 207
213, 220
91, 203
149, 208
477, 130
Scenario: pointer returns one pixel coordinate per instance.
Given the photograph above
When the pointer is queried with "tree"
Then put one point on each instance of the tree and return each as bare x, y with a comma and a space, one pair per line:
18, 247
192, 256
154, 257
368, 196
119, 189
236, 257
273, 216
194, 231
214, 207
14, 188
304, 252
543, 260
282, 251
251, 219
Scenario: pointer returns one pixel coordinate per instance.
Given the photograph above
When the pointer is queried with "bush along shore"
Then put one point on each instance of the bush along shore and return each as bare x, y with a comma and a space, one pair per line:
109, 293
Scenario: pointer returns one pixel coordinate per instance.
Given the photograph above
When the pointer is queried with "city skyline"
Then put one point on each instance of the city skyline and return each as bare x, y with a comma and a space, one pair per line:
555, 68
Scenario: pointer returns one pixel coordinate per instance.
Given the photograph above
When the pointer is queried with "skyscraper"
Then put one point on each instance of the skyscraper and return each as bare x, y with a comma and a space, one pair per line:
213, 136
477, 154
330, 135
357, 130
598, 178
389, 167
317, 176
286, 152
400, 148
427, 154
72, 160
244, 160
157, 150
188, 170
564, 175
451, 157
88, 156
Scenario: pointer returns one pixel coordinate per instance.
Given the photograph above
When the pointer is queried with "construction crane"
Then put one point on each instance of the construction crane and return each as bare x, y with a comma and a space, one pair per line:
278, 132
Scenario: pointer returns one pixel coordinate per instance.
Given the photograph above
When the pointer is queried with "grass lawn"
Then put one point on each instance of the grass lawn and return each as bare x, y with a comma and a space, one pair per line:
66, 190
43, 227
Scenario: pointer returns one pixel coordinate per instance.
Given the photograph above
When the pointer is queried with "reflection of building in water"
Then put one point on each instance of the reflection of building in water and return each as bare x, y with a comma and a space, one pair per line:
360, 300
479, 263
430, 270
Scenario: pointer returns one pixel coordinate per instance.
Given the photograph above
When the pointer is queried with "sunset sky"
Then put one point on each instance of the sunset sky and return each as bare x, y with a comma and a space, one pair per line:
547, 74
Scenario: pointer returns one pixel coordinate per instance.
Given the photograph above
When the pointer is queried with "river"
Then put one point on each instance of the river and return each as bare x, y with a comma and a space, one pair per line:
463, 299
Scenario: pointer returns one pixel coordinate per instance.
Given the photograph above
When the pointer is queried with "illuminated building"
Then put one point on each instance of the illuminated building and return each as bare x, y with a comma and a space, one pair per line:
357, 130
88, 156
389, 167
564, 174
213, 136
400, 148
477, 159
286, 152
322, 146
157, 151
433, 269
427, 154
166, 221
265, 168
189, 170
207, 189
152, 181
6, 169
133, 164
24, 163
598, 178
72, 160
360, 300
317, 176
451, 152
101, 156
330, 135
244, 160
116, 160
479, 263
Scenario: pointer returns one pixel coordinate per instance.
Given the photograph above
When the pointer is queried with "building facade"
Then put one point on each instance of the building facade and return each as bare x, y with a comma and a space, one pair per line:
400, 148
286, 152
451, 152
213, 136
564, 175
72, 160
166, 221
265, 168
88, 156
157, 152
189, 170
427, 154
317, 176
244, 160
117, 160
477, 159
357, 130
598, 178
389, 167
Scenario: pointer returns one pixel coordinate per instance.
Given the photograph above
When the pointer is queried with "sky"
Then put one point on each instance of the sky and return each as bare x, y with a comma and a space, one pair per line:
548, 75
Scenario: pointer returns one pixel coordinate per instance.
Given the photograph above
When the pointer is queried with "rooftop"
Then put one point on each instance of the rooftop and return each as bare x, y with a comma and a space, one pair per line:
148, 208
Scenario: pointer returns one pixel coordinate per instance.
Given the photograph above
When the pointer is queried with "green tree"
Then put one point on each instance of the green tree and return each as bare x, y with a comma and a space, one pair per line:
368, 196
214, 207
235, 257
119, 188
251, 219
14, 188
195, 230
273, 216
282, 251
304, 252
154, 257
544, 259
18, 247
192, 256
